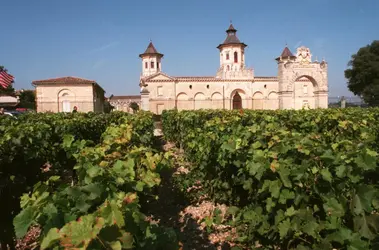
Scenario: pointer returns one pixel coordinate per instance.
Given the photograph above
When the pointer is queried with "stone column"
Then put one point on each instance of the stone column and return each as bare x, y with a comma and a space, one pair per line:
145, 102
286, 100
321, 99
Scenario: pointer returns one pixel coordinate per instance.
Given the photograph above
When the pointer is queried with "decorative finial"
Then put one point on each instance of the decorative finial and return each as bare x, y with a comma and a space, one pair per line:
151, 40
286, 44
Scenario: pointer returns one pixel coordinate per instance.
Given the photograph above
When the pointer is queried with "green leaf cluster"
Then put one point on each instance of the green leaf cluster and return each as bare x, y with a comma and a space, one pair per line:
306, 179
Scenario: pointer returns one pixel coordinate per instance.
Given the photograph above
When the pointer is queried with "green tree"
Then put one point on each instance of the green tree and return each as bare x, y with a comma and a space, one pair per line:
9, 90
363, 74
108, 107
27, 99
134, 106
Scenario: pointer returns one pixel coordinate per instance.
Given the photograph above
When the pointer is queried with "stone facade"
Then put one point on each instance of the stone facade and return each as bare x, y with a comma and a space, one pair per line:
300, 83
62, 94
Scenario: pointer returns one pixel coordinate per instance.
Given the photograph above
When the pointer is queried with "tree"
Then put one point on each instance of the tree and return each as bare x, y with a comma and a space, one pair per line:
108, 107
363, 74
9, 90
134, 106
27, 99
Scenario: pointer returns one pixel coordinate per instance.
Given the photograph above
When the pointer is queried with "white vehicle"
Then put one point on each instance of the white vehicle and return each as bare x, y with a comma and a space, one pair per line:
12, 113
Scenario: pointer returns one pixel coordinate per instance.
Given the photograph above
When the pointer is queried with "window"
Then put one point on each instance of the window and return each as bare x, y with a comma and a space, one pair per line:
228, 67
190, 86
207, 86
227, 55
235, 57
146, 65
152, 65
157, 65
160, 91
305, 89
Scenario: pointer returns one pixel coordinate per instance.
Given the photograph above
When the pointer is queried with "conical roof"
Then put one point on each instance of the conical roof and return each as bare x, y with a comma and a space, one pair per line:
151, 50
231, 28
286, 53
231, 37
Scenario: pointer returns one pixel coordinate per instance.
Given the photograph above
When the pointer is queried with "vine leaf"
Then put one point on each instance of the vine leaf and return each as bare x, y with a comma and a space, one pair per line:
112, 214
80, 232
363, 199
284, 227
361, 226
326, 175
23, 221
51, 237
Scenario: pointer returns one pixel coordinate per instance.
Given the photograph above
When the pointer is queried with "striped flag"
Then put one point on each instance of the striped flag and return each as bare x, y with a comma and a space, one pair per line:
5, 79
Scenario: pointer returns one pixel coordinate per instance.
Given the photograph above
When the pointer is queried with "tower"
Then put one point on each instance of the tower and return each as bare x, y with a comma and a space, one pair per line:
302, 80
232, 51
151, 60
232, 56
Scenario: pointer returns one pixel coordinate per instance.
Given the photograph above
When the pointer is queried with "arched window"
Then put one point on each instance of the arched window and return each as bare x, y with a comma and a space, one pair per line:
227, 55
152, 65
235, 57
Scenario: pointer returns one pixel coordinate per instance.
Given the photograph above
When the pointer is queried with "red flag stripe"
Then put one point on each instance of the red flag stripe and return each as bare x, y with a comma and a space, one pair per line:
7, 76
4, 85
5, 79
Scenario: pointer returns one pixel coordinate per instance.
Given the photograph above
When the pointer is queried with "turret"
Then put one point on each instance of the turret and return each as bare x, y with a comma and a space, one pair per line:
151, 60
232, 52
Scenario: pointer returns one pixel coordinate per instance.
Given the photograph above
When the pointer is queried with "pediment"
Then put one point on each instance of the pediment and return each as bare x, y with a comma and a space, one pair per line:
159, 76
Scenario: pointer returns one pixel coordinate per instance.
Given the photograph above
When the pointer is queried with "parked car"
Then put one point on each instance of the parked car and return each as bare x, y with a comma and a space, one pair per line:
12, 113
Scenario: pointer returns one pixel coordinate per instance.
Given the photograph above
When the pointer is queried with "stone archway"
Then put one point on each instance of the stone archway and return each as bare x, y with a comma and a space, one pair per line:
237, 101
66, 100
292, 71
182, 102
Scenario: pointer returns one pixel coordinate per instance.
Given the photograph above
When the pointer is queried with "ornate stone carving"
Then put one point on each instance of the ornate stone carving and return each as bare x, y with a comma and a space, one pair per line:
303, 55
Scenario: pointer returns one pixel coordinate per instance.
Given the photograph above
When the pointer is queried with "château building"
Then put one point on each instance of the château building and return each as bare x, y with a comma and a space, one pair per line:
300, 82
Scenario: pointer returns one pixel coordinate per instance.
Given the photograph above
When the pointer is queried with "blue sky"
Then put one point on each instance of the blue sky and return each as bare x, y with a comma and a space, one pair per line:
101, 40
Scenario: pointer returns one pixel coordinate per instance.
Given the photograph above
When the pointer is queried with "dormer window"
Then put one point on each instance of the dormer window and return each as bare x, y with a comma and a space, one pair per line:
152, 65
236, 57
227, 55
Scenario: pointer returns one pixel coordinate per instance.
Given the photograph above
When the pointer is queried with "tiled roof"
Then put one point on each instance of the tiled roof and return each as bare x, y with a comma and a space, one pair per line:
265, 78
65, 80
231, 28
214, 79
286, 53
184, 78
231, 38
151, 50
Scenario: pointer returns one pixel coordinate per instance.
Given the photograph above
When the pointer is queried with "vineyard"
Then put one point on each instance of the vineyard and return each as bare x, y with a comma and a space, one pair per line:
305, 179
290, 179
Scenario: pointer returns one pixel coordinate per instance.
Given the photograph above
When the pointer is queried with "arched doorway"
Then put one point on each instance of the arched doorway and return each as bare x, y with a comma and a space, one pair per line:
237, 101
66, 100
